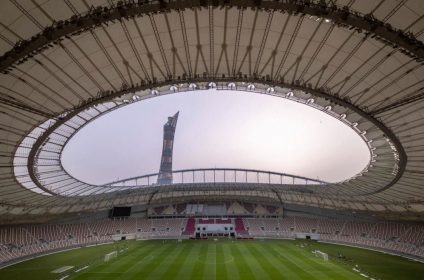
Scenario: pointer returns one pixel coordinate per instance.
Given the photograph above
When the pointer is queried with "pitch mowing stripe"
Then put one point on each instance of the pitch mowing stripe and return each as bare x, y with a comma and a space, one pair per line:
209, 271
230, 266
122, 264
329, 268
318, 269
156, 261
197, 272
146, 266
273, 263
294, 269
177, 263
124, 261
115, 267
190, 260
123, 268
243, 268
170, 263
220, 260
256, 265
315, 271
323, 269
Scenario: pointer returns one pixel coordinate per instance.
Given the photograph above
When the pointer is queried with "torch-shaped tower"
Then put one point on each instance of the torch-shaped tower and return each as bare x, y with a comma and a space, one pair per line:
165, 171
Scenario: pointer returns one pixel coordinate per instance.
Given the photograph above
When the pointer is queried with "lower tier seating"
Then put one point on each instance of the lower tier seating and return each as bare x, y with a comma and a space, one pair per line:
23, 240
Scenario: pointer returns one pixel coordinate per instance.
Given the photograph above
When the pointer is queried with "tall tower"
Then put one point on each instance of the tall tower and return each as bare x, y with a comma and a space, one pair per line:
165, 171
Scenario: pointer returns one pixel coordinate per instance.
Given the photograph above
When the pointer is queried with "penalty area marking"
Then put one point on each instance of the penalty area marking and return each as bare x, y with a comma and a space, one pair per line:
62, 269
82, 268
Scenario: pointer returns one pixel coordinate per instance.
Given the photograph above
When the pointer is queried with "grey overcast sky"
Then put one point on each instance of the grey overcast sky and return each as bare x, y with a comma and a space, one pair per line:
216, 129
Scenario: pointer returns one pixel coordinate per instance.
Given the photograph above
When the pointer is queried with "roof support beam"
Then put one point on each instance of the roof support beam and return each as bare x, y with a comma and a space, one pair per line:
340, 16
398, 103
24, 107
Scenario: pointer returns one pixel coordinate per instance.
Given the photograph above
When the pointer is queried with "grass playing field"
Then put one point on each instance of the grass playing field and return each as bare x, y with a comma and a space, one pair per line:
222, 259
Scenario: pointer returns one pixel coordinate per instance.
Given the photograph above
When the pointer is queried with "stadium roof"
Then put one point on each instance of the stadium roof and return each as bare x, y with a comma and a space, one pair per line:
64, 63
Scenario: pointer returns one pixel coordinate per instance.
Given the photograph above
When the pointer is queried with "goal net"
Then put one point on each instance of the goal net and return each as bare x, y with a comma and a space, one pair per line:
321, 255
110, 256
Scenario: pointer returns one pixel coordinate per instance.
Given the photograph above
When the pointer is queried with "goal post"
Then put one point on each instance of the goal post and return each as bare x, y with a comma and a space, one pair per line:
320, 254
110, 256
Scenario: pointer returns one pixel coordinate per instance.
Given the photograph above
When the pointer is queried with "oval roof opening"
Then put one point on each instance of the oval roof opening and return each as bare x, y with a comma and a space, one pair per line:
225, 129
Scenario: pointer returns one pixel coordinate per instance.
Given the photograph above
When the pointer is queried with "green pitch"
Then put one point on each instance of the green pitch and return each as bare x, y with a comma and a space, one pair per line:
222, 259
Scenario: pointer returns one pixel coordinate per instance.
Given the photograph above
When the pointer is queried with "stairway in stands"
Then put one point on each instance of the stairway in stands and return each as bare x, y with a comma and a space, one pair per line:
190, 227
239, 227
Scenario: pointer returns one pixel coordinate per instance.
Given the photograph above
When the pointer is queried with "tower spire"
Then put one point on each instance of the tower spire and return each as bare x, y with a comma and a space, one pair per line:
165, 170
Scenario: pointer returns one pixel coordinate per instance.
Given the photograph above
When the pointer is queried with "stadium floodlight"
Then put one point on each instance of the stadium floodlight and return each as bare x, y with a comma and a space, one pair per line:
192, 86
231, 85
173, 88
211, 85
270, 90
136, 97
327, 108
289, 94
310, 100
154, 92
251, 87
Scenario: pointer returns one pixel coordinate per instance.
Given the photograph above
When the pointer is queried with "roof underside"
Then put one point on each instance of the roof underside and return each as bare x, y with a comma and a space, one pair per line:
373, 62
